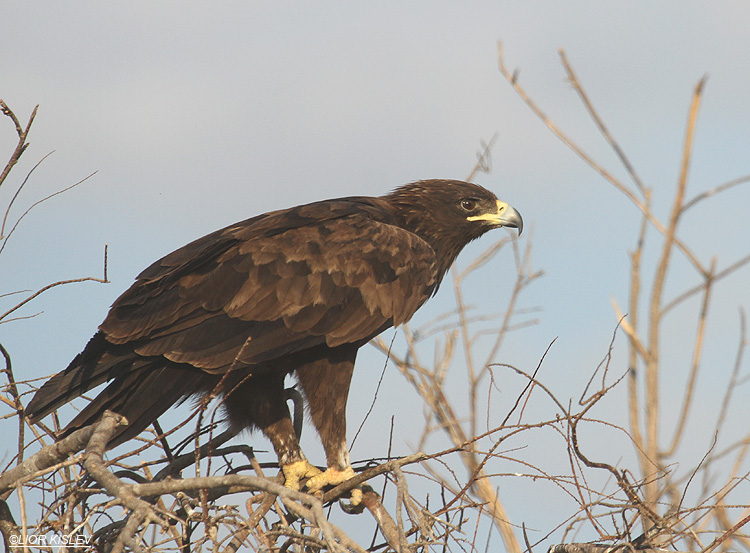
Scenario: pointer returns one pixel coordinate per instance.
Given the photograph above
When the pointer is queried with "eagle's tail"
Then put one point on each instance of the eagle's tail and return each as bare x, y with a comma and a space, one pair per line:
141, 395
141, 388
93, 366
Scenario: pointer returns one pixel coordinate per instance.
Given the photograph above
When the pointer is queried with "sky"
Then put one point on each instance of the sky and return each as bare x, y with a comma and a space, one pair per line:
195, 116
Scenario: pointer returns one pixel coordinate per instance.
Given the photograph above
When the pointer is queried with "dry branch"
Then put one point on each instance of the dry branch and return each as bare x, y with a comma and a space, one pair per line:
23, 133
82, 491
662, 489
50, 456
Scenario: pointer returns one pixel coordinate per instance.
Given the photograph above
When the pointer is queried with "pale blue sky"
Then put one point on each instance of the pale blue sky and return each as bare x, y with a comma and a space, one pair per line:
196, 116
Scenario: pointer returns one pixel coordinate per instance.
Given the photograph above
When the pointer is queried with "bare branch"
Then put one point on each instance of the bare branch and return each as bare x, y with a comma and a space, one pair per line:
102, 280
35, 204
23, 133
641, 205
697, 350
600, 123
714, 191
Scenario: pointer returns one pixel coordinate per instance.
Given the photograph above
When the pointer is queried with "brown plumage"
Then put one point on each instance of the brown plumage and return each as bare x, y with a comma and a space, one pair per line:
292, 291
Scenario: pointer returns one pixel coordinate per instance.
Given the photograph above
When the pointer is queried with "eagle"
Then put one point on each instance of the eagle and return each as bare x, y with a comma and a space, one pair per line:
295, 291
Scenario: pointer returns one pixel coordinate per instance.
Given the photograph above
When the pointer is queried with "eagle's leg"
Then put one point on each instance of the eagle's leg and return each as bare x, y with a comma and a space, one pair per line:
259, 401
326, 387
293, 463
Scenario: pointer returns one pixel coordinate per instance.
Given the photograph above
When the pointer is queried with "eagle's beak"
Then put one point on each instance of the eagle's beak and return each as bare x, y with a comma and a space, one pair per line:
505, 216
510, 218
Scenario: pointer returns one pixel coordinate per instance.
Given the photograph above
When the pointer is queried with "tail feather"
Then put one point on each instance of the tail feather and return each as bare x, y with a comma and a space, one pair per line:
141, 395
96, 364
141, 388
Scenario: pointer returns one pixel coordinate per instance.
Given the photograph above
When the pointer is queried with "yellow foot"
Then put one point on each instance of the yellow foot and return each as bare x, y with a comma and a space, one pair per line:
334, 477
297, 471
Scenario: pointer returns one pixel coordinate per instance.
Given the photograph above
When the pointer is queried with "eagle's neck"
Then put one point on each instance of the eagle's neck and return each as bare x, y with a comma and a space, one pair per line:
445, 240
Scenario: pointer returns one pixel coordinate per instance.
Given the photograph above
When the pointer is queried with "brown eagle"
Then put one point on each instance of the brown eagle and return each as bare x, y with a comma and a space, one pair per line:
299, 291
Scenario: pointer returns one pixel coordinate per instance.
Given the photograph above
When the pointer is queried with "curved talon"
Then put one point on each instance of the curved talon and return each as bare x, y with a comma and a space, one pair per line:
334, 477
297, 471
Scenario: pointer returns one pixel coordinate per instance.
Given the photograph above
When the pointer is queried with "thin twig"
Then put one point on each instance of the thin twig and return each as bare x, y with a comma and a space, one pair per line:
697, 350
23, 134
600, 123
17, 192
512, 79
58, 283
714, 191
35, 204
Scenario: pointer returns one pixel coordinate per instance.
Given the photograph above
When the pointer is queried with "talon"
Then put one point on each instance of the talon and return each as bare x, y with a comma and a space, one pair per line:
356, 496
334, 477
331, 477
297, 471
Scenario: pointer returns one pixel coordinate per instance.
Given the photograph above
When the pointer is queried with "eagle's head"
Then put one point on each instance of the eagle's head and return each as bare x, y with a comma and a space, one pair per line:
449, 214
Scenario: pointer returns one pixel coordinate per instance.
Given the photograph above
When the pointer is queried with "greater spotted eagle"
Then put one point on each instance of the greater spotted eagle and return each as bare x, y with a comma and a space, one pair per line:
299, 291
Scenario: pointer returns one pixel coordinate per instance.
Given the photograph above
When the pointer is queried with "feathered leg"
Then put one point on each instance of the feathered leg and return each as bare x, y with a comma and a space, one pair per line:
326, 386
259, 401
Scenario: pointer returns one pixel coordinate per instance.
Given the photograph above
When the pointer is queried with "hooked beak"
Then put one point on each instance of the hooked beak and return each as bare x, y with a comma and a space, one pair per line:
505, 216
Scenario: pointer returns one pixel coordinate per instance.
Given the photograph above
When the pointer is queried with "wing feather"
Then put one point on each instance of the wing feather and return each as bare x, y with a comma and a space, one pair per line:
331, 273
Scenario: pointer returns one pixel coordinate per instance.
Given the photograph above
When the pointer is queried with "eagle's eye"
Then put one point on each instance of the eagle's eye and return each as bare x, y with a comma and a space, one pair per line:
468, 204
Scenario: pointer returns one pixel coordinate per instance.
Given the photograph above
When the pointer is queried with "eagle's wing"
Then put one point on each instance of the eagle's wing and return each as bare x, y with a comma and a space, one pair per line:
327, 273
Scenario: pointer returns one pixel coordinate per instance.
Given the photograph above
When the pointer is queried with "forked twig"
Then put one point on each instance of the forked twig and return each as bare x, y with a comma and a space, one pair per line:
23, 133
